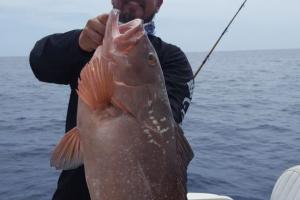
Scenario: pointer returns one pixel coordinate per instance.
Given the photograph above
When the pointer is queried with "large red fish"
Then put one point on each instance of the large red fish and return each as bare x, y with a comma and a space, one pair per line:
126, 137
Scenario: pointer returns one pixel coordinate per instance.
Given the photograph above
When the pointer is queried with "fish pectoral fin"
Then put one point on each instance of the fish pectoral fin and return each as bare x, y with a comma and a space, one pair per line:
95, 84
68, 153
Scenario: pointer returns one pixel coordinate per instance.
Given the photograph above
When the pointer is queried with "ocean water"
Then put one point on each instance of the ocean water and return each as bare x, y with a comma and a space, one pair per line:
243, 125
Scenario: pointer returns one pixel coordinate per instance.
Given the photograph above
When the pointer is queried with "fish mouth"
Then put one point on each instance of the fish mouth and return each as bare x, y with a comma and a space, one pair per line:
128, 34
131, 27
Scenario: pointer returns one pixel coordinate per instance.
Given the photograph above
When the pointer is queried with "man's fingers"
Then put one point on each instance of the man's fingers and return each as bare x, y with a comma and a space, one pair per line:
95, 25
103, 19
89, 40
94, 36
91, 45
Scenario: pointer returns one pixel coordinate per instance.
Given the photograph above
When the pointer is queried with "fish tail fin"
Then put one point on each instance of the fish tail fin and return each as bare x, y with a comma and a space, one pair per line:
67, 154
95, 83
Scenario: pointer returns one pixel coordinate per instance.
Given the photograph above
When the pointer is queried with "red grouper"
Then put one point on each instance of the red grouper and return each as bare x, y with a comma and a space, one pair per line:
126, 137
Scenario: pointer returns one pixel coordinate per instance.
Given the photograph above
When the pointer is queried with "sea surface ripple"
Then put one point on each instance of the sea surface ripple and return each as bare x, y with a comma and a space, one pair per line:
243, 125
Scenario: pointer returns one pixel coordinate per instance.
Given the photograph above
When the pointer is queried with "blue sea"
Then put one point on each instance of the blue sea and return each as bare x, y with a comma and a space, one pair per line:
243, 125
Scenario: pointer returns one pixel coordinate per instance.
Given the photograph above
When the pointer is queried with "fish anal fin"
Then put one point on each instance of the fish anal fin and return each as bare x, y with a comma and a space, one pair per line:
95, 84
68, 153
184, 156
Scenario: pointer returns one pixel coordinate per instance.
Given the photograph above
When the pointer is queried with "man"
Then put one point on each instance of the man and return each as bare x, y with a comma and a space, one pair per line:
59, 59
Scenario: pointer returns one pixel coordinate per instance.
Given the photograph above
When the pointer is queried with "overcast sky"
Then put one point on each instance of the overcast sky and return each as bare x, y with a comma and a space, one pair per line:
194, 25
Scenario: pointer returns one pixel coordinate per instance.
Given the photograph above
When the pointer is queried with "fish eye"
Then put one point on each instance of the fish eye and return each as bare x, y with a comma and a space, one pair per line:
152, 59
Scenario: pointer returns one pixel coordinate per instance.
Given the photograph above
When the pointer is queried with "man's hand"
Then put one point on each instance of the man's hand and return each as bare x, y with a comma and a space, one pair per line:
92, 34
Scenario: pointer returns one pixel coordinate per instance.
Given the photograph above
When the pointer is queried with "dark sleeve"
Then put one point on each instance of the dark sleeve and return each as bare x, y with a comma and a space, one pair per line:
179, 81
58, 57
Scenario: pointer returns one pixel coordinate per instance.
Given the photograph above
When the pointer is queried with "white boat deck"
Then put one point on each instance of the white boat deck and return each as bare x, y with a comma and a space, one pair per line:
206, 196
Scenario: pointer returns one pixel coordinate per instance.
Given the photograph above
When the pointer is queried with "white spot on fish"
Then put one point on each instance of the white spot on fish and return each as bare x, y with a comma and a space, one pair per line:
163, 119
147, 133
149, 102
158, 128
154, 142
155, 122
151, 117
150, 111
165, 130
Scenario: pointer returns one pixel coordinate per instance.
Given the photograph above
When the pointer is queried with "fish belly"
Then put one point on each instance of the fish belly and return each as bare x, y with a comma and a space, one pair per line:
121, 160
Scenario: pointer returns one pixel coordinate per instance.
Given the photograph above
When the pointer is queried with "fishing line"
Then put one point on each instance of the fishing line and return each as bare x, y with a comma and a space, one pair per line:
219, 39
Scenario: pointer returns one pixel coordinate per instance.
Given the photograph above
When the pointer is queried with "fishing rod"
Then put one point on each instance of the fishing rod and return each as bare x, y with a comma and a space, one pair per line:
219, 39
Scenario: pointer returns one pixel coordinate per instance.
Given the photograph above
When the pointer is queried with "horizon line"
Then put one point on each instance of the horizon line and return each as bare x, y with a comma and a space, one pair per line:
188, 52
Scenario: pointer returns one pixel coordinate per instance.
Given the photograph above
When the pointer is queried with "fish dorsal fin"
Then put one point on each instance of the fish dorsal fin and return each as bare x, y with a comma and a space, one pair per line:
68, 153
95, 83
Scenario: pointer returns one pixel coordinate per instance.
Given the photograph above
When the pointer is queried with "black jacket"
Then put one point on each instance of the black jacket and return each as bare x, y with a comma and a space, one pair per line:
58, 59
